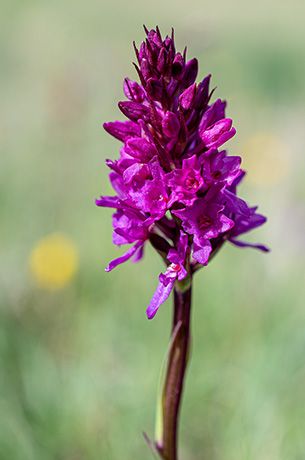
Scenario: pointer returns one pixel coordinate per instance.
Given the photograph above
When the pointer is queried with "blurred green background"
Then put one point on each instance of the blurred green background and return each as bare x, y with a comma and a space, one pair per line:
79, 365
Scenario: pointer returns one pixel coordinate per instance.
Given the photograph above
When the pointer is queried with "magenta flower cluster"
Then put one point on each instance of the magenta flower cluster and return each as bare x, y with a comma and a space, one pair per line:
175, 186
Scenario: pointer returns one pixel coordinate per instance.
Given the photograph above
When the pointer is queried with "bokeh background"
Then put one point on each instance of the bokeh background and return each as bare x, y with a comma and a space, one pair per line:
79, 362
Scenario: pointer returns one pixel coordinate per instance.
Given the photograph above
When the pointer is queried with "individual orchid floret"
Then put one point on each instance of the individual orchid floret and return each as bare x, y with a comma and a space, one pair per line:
140, 149
217, 134
133, 91
175, 271
185, 182
122, 129
218, 167
151, 195
204, 220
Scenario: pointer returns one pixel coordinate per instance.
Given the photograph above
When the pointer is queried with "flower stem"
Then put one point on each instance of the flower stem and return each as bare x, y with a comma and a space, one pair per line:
175, 372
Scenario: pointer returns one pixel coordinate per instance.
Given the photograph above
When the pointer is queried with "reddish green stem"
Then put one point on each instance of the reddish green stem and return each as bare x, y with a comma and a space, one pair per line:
177, 361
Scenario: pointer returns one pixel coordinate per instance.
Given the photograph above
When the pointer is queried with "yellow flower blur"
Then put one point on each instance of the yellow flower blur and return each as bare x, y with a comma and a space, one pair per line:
53, 261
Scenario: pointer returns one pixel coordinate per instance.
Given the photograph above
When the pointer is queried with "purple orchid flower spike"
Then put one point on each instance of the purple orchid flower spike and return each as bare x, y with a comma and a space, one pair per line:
175, 188
170, 165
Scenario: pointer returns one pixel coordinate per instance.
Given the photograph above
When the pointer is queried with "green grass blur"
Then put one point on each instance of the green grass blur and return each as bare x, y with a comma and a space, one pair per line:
79, 366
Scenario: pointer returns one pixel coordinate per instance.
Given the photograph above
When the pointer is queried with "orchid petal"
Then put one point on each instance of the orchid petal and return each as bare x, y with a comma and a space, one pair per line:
243, 244
128, 254
160, 296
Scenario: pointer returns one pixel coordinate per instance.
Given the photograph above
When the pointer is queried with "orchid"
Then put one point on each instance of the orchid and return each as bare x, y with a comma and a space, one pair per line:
175, 186
170, 162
